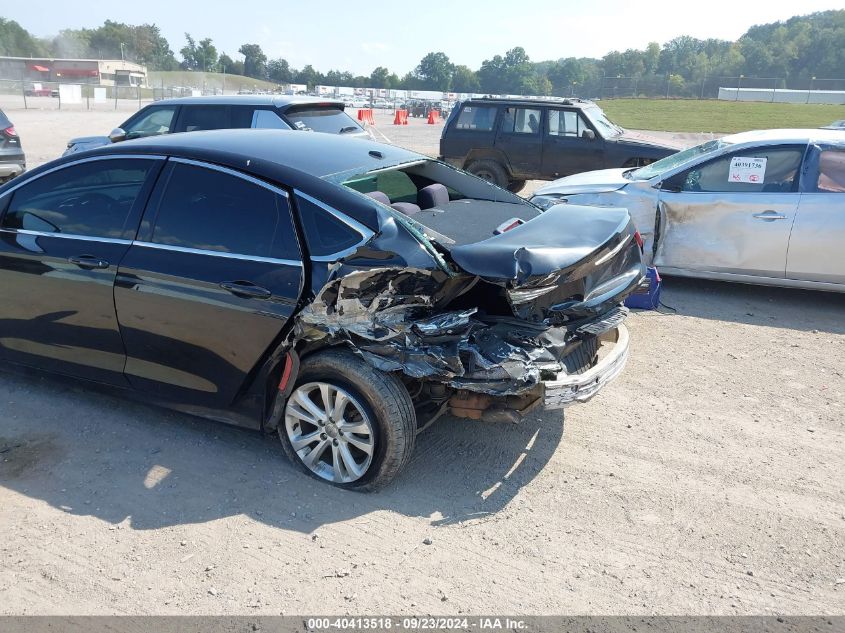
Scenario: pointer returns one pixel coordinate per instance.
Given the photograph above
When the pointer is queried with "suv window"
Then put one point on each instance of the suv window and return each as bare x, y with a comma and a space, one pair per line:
831, 171
324, 233
209, 210
91, 199
479, 118
154, 121
521, 121
330, 120
267, 119
195, 118
776, 171
566, 123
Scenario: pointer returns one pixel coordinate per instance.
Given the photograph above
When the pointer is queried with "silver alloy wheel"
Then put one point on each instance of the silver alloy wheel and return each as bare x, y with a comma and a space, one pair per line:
330, 432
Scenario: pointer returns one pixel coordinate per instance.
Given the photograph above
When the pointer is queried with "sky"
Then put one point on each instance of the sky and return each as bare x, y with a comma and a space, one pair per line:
358, 35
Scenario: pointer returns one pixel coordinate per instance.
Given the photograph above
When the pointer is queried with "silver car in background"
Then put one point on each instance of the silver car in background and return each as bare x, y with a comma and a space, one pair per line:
765, 207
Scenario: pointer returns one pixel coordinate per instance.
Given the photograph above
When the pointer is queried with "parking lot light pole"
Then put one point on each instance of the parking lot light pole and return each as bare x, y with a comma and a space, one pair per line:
810, 89
738, 85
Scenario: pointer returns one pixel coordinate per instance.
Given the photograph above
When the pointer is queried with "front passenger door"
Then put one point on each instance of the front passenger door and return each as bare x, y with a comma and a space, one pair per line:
566, 148
732, 214
209, 284
63, 236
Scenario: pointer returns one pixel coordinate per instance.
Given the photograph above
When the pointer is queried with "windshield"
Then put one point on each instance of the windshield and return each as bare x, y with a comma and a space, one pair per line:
606, 128
331, 120
675, 160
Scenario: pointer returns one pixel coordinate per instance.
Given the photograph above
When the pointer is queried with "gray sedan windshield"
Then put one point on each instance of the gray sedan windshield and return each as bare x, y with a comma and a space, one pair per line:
675, 160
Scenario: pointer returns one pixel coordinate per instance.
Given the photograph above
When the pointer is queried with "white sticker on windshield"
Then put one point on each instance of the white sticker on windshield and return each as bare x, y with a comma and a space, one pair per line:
745, 169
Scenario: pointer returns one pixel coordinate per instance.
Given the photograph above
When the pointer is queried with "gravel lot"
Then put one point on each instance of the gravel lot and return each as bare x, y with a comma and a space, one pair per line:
708, 479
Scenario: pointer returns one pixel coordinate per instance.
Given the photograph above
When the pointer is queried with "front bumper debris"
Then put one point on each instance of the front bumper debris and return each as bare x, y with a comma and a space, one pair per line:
567, 389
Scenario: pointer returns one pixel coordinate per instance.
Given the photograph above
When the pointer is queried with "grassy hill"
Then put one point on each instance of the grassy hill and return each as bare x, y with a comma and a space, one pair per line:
717, 116
209, 81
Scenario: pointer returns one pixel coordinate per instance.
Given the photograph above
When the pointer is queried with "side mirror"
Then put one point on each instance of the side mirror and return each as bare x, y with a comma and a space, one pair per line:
588, 134
117, 134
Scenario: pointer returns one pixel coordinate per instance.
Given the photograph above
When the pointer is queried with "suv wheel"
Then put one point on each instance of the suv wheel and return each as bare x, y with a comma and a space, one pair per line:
516, 186
490, 171
348, 423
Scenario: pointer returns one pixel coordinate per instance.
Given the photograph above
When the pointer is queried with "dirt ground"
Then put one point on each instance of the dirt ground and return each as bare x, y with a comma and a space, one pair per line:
707, 479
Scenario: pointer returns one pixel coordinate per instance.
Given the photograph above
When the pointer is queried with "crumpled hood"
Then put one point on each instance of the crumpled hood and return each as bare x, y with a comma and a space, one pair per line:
553, 242
600, 181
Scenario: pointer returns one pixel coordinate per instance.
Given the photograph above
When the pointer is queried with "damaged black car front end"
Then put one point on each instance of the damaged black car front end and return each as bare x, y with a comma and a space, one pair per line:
505, 309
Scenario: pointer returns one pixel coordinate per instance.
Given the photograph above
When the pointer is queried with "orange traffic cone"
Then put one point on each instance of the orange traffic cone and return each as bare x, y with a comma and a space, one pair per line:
432, 114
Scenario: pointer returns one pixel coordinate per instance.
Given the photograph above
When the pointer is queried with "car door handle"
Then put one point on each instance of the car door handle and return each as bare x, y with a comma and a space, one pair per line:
88, 262
769, 215
246, 289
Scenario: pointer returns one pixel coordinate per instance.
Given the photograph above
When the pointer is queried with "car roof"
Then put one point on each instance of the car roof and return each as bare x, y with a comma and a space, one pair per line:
554, 101
787, 136
313, 153
278, 101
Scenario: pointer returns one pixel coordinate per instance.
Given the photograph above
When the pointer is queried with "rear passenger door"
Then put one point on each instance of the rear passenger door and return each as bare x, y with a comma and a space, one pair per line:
818, 234
519, 138
209, 284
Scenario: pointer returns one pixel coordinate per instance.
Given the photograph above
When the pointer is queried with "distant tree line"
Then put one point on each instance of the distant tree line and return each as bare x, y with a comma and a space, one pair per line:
800, 48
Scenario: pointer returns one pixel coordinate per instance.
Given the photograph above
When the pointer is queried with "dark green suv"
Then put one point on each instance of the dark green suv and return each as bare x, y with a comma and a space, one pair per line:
509, 141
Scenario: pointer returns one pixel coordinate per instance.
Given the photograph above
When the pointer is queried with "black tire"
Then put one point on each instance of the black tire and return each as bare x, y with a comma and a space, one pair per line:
516, 186
385, 400
490, 171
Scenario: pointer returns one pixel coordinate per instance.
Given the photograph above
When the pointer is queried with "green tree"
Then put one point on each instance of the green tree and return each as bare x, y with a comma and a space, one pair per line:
255, 61
16, 41
434, 72
230, 66
465, 80
380, 78
279, 70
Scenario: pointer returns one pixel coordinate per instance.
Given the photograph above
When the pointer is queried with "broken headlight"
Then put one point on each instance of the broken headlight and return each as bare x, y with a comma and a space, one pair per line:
547, 202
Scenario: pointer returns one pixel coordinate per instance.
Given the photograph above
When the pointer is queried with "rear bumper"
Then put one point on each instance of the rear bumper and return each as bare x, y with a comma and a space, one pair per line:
13, 167
567, 389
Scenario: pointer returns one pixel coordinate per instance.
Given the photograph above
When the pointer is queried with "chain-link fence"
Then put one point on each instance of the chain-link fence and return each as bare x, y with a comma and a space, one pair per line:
51, 95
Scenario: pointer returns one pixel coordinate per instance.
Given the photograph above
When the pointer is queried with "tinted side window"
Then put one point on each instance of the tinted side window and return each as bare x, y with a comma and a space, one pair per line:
479, 118
766, 170
268, 119
241, 116
324, 233
831, 172
92, 199
154, 121
521, 121
565, 123
195, 118
213, 211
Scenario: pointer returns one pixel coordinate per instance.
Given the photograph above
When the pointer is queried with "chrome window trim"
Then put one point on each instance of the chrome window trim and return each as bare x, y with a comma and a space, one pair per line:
199, 251
69, 236
87, 159
365, 232
231, 172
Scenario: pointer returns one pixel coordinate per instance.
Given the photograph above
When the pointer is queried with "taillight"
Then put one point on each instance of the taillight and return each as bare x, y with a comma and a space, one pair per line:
10, 131
639, 240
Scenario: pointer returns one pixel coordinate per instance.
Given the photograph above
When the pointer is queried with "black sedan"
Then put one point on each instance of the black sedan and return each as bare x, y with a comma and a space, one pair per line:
339, 292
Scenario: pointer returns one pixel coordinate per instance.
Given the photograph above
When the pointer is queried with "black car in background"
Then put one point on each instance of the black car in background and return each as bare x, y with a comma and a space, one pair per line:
190, 114
341, 293
12, 158
509, 141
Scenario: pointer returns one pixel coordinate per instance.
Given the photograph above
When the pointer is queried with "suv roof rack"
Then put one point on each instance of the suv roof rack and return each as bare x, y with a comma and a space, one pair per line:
557, 100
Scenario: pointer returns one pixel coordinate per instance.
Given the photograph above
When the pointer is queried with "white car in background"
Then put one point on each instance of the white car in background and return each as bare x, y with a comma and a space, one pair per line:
765, 207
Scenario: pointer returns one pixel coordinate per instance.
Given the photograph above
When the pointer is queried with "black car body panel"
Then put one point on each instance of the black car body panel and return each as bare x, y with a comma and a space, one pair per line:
541, 139
208, 320
12, 157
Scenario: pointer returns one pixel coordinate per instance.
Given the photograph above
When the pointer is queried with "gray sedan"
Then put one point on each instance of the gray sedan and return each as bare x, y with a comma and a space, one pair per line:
765, 207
